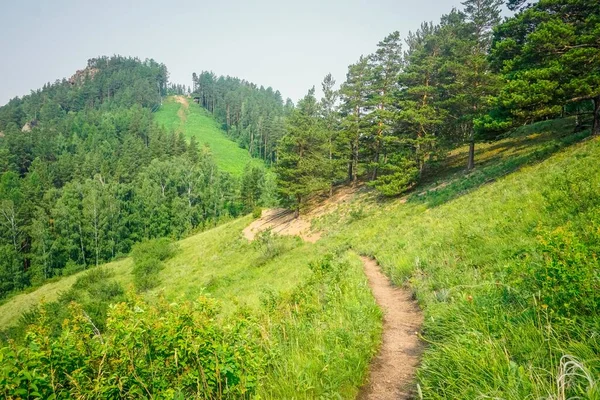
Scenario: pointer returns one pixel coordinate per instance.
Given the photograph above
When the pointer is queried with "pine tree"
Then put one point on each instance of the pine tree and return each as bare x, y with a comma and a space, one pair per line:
387, 64
302, 154
354, 95
549, 55
479, 84
421, 114
330, 116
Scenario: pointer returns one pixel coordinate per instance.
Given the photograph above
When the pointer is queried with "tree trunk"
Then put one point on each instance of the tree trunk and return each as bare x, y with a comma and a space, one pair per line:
297, 209
355, 164
471, 161
350, 163
376, 159
596, 125
331, 173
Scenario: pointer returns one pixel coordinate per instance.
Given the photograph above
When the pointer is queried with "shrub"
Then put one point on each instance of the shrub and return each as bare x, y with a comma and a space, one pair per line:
163, 351
161, 249
566, 280
272, 245
148, 257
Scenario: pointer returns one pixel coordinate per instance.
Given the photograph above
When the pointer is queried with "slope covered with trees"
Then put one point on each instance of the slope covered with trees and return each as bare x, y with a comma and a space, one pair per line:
86, 172
467, 79
252, 116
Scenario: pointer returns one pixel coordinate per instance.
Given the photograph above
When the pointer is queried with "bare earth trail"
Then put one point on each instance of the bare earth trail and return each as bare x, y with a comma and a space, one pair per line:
392, 371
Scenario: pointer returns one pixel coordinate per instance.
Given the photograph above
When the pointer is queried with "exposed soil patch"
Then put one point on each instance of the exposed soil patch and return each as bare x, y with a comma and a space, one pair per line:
392, 371
282, 221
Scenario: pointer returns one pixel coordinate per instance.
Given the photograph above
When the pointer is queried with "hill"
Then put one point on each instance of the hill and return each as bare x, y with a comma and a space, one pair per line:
179, 115
491, 256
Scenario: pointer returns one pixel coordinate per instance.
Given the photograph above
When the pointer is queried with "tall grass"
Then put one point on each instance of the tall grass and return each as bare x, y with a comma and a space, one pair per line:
507, 274
321, 335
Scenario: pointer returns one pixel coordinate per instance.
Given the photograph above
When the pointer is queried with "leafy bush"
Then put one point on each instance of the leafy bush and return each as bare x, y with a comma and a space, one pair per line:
272, 245
566, 281
313, 342
163, 351
160, 249
148, 257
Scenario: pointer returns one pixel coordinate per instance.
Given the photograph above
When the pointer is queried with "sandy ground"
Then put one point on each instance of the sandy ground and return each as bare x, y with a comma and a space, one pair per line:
392, 371
282, 221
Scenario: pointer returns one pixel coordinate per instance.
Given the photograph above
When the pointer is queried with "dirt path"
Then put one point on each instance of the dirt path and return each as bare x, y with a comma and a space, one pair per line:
392, 371
182, 112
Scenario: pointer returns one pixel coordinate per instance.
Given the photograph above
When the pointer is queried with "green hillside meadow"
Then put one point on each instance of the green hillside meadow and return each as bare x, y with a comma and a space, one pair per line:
193, 120
485, 254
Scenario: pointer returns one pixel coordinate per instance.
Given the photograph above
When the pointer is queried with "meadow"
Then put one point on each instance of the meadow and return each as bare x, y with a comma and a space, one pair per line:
193, 121
503, 262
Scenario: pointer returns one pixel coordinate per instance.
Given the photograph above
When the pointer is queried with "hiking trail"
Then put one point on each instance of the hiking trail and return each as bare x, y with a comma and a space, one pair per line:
392, 371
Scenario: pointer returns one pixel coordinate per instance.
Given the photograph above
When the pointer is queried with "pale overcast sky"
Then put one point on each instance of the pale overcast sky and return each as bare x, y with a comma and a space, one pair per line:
288, 45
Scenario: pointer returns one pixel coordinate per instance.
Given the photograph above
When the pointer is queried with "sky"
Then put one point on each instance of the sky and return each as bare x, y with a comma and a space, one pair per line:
288, 45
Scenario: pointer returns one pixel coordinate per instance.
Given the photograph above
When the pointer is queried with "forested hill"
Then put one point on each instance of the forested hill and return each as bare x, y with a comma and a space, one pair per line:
85, 172
106, 82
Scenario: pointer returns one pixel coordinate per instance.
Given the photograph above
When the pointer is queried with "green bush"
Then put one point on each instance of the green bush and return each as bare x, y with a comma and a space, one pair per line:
148, 257
161, 249
567, 279
163, 351
257, 212
272, 245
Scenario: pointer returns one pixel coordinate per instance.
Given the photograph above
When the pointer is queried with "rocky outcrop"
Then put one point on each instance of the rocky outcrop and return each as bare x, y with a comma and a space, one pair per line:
29, 126
82, 75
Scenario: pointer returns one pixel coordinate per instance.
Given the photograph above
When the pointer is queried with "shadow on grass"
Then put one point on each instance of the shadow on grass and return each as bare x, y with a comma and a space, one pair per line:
524, 146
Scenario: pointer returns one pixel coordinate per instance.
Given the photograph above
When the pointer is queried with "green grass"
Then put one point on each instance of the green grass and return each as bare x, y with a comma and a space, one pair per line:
12, 308
319, 330
507, 272
503, 262
194, 121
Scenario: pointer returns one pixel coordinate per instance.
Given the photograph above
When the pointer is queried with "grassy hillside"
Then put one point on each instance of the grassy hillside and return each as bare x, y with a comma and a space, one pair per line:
502, 260
507, 272
192, 120
308, 310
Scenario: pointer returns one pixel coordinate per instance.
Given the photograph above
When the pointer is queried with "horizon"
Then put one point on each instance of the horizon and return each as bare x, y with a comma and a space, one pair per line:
289, 47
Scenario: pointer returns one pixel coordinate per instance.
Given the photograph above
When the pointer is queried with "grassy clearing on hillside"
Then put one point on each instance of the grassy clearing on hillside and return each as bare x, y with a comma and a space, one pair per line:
507, 274
195, 121
12, 309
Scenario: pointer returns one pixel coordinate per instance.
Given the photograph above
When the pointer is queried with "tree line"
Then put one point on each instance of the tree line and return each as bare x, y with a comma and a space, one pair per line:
466, 79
